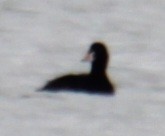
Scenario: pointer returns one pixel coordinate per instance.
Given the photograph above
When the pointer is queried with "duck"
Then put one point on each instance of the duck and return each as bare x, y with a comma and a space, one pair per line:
95, 81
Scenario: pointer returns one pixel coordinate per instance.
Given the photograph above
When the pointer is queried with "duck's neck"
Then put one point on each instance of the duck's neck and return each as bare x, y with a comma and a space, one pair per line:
98, 68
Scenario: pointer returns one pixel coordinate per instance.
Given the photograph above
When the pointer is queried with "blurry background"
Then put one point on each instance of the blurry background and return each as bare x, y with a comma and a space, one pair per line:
43, 39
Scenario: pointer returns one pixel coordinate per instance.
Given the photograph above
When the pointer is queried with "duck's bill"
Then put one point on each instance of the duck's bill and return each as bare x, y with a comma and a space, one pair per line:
89, 57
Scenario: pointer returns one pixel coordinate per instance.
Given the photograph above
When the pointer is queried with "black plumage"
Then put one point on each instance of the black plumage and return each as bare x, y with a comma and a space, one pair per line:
95, 82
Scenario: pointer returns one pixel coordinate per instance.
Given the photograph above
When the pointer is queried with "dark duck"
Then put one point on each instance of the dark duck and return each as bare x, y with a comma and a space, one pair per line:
95, 82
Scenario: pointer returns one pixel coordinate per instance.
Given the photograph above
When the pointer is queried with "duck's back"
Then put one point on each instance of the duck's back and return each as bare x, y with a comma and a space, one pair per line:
81, 83
71, 82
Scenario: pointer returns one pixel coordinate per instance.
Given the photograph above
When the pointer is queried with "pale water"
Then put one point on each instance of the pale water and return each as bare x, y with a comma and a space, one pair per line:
43, 39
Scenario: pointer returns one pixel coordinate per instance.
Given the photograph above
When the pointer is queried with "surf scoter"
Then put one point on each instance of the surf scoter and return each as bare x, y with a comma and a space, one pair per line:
95, 82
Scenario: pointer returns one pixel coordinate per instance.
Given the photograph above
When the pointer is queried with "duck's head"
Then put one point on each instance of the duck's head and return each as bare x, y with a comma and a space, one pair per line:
98, 56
